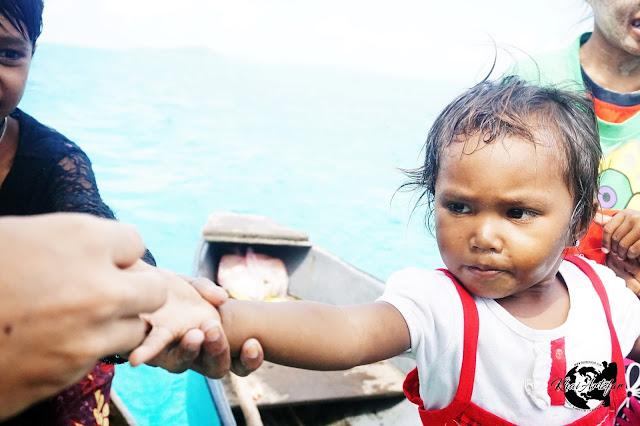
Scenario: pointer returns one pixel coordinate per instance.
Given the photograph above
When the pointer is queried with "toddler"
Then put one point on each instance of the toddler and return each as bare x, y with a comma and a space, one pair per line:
511, 331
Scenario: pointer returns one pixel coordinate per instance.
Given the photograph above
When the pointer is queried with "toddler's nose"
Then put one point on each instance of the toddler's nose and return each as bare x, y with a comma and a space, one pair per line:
486, 236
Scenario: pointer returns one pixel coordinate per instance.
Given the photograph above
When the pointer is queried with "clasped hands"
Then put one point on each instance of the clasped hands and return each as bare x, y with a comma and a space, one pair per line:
75, 290
186, 333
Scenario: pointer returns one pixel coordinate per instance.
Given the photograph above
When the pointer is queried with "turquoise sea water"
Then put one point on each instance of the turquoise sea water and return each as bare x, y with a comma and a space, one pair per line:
176, 135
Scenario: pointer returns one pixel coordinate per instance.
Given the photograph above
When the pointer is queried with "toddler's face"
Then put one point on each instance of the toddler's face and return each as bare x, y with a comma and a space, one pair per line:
502, 215
15, 60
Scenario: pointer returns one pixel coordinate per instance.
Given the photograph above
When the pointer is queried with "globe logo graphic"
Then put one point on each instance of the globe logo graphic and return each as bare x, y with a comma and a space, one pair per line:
588, 384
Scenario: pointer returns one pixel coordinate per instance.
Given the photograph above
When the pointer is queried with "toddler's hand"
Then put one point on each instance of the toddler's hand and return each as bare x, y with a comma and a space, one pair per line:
180, 317
206, 349
620, 234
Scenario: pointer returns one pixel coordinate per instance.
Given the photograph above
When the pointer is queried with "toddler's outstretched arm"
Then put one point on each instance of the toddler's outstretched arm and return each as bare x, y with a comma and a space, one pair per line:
317, 336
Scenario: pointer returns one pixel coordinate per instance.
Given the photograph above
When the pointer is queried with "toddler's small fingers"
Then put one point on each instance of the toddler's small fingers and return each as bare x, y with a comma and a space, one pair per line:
153, 344
180, 357
210, 291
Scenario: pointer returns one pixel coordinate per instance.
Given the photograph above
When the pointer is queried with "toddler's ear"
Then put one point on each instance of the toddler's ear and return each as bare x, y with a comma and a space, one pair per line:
573, 238
584, 225
572, 241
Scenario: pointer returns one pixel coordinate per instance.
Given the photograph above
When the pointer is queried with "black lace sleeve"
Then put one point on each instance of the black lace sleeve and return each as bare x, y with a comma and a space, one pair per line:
73, 188
51, 174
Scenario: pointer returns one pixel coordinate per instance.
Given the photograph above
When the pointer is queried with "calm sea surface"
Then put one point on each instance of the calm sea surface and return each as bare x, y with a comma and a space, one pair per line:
176, 135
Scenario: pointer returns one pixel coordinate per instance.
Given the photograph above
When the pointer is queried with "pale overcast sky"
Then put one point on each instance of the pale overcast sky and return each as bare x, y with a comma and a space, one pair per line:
414, 37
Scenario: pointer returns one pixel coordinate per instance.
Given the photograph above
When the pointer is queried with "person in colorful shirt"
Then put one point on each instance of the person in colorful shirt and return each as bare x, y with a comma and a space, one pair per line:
511, 331
606, 64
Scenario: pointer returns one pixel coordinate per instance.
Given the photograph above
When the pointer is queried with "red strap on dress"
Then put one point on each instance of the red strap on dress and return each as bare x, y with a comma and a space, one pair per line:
619, 392
472, 325
461, 405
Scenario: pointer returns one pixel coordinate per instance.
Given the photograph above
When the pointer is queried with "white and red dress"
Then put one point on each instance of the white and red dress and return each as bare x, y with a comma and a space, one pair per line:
477, 364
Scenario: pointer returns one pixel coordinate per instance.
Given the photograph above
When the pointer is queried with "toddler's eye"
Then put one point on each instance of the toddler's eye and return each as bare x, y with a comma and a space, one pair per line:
458, 208
11, 54
520, 214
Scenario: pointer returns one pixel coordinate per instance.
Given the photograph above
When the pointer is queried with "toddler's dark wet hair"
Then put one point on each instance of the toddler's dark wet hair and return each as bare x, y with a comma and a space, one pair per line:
512, 107
25, 16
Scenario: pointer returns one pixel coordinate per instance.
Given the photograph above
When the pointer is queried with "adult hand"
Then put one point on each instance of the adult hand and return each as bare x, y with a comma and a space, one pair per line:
67, 298
206, 350
251, 354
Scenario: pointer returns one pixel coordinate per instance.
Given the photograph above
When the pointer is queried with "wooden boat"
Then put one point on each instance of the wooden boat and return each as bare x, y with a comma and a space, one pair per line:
119, 414
366, 395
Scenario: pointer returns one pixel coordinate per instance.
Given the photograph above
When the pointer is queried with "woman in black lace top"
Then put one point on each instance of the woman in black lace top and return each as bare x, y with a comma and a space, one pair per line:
41, 171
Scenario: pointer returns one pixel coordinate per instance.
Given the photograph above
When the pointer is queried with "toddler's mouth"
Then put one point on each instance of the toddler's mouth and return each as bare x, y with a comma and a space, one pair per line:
484, 270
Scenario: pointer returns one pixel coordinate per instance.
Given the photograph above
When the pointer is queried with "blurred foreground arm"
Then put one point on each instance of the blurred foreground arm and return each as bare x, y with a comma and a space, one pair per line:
67, 298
